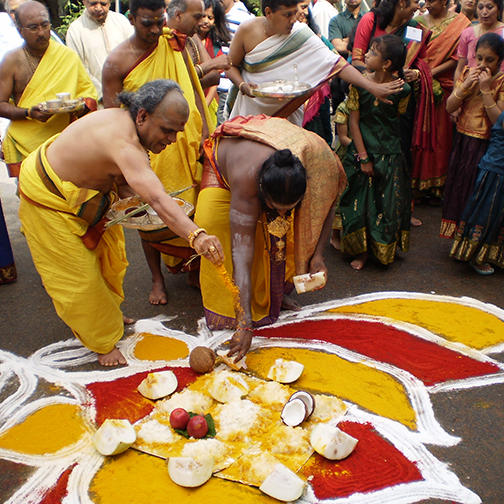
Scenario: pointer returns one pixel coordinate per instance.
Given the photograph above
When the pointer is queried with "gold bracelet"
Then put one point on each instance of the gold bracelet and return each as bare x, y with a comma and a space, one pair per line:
457, 96
490, 106
240, 86
193, 235
199, 71
486, 92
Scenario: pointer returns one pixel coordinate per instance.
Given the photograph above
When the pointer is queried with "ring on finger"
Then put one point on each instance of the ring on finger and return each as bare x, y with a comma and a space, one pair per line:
211, 248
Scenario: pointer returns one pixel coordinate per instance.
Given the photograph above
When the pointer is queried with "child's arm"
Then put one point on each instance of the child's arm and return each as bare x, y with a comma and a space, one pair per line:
461, 91
493, 108
355, 132
342, 130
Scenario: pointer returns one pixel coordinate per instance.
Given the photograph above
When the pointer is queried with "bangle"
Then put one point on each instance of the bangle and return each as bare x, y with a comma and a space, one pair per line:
199, 71
27, 113
364, 160
457, 96
490, 106
361, 156
486, 92
240, 86
193, 235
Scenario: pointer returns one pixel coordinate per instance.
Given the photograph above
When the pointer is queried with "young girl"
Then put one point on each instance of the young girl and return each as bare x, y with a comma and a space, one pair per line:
479, 94
479, 239
375, 208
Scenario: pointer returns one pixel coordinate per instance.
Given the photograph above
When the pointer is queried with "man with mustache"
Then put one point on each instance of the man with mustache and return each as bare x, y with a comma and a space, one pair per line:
32, 74
156, 52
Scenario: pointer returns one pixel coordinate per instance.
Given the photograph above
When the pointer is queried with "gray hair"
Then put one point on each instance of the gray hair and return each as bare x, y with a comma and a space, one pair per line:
176, 6
148, 97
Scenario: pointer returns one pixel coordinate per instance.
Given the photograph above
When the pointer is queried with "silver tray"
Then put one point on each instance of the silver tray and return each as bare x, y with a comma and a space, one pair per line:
281, 89
64, 107
146, 220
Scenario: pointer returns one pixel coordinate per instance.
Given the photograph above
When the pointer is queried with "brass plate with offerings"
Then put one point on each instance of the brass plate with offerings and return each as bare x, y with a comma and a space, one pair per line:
59, 106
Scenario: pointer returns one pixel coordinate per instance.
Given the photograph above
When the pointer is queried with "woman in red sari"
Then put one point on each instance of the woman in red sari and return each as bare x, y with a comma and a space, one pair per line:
430, 165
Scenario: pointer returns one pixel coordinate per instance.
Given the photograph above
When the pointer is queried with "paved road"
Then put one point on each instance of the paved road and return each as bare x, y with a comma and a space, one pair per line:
28, 322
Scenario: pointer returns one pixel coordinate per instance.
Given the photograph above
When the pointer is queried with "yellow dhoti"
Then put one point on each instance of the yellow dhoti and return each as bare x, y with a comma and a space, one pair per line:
177, 166
271, 275
85, 285
59, 70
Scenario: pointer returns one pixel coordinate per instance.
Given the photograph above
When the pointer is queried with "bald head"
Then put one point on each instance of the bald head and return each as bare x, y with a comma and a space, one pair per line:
29, 8
32, 19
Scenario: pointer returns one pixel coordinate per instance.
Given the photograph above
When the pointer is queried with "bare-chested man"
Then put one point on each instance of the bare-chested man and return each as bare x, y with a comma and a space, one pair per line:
275, 47
67, 185
154, 52
32, 74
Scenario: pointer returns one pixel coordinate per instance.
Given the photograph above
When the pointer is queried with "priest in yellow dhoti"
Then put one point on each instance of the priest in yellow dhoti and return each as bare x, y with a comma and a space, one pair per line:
267, 192
155, 52
66, 187
32, 74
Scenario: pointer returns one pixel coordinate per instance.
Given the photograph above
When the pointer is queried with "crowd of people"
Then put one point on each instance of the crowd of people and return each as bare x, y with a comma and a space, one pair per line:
405, 104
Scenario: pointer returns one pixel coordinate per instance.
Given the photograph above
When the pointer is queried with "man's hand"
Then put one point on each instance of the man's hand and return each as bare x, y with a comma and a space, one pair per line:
240, 343
39, 115
367, 168
210, 247
317, 264
219, 63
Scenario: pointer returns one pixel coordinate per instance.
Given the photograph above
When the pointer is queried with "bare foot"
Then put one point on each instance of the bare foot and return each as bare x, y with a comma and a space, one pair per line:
335, 240
128, 320
289, 304
113, 358
193, 279
158, 294
415, 221
359, 262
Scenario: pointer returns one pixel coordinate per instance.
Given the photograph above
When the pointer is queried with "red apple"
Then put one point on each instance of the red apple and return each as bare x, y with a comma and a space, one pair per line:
197, 427
179, 418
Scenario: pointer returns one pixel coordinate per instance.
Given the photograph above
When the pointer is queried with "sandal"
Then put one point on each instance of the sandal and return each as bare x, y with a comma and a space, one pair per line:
482, 269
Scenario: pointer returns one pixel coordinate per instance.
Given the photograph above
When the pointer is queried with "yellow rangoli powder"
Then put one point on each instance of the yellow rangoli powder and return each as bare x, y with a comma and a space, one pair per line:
452, 321
48, 430
324, 373
136, 478
154, 347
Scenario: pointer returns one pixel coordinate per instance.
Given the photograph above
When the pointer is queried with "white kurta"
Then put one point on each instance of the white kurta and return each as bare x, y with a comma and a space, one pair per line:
312, 59
93, 42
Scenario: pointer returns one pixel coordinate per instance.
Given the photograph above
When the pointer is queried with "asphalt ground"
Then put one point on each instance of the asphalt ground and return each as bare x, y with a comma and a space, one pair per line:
28, 322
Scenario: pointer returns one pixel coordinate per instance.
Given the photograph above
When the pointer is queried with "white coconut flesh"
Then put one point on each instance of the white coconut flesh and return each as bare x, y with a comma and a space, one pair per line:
331, 442
114, 436
228, 386
157, 385
307, 398
188, 472
294, 412
284, 371
283, 484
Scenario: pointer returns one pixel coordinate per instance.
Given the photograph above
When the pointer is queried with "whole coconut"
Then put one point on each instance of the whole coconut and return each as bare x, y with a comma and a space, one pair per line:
202, 359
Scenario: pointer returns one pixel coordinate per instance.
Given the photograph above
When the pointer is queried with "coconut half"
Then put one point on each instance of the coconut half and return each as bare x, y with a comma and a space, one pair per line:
308, 400
228, 386
157, 385
283, 484
114, 436
331, 442
294, 412
284, 371
188, 472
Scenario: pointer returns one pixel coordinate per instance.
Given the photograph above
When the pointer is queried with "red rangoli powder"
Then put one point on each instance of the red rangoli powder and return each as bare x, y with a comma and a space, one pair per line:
429, 362
373, 465
56, 494
121, 399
